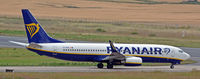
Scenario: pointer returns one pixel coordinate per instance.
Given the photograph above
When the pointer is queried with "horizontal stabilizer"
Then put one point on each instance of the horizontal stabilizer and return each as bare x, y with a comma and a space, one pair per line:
19, 43
34, 45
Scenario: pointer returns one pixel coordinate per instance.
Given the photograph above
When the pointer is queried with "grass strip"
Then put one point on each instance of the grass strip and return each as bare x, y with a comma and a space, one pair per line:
118, 39
102, 75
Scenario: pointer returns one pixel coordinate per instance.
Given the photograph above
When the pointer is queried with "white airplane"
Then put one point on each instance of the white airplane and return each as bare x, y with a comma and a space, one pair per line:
112, 54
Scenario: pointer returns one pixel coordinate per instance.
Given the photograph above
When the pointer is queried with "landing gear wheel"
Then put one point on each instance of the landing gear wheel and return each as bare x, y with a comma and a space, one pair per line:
110, 66
172, 66
100, 65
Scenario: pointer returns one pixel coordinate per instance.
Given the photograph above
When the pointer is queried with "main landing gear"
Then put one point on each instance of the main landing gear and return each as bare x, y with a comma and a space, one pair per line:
100, 65
109, 65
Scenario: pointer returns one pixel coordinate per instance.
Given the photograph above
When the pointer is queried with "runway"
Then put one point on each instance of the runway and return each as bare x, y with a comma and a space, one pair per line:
178, 68
194, 52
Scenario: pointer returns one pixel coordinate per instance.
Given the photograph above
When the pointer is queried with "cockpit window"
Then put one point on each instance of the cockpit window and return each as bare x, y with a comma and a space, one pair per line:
180, 51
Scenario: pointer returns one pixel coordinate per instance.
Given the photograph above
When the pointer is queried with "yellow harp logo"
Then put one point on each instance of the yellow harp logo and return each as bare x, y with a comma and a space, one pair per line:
32, 28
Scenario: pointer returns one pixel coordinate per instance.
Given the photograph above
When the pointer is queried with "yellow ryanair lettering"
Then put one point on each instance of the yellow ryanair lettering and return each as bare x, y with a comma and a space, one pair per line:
32, 28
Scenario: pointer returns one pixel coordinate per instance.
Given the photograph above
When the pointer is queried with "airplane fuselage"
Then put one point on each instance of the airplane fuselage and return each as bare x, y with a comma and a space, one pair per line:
97, 51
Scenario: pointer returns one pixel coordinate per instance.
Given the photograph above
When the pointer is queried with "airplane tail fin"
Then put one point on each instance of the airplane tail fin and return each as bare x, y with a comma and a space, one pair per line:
34, 31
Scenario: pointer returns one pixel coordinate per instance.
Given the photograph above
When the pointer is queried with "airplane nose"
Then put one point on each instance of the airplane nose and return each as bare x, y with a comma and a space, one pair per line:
187, 56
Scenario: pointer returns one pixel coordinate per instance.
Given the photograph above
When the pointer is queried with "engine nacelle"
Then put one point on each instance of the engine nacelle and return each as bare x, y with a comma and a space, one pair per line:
133, 61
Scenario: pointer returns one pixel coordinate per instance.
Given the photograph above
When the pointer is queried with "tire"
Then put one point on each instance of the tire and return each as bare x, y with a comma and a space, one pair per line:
100, 65
110, 66
172, 66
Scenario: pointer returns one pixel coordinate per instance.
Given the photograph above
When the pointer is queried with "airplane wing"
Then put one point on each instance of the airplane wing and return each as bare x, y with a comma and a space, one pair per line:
115, 55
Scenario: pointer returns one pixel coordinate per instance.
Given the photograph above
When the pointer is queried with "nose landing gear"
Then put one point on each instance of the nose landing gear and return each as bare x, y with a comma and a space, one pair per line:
172, 65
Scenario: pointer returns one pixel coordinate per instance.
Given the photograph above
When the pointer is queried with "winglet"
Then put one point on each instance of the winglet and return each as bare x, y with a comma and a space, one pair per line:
113, 49
115, 54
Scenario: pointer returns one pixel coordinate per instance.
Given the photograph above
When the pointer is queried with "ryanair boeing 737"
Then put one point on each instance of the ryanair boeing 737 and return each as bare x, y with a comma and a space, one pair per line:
112, 54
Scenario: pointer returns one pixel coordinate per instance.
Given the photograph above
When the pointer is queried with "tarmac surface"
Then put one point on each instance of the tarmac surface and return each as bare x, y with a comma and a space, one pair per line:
4, 42
178, 68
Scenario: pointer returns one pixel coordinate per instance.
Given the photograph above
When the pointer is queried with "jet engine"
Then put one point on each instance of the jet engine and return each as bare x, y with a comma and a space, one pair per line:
133, 61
